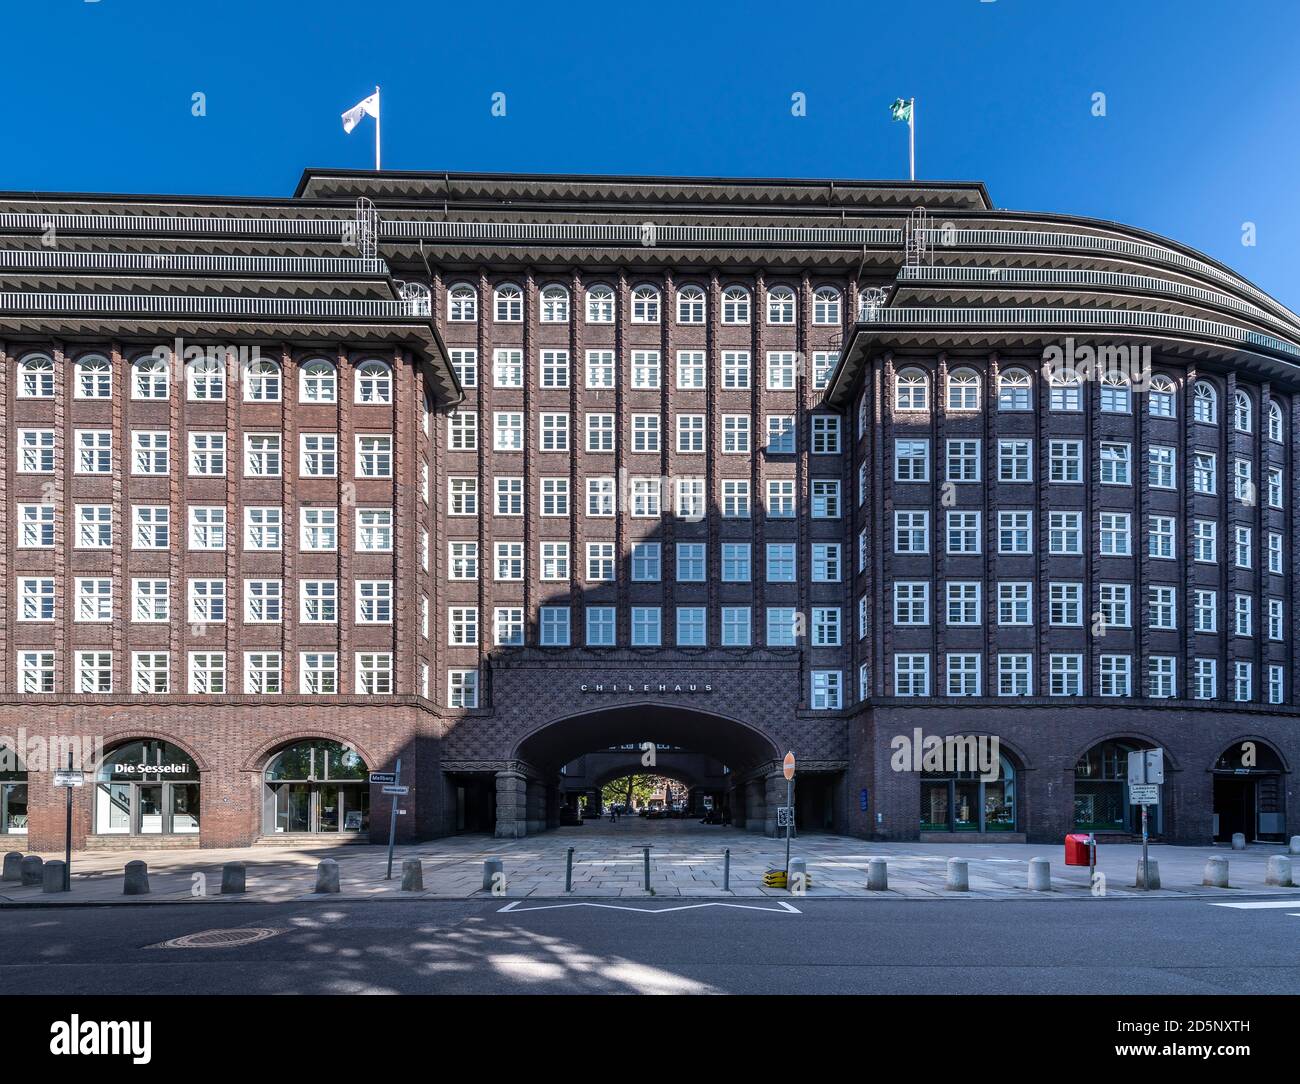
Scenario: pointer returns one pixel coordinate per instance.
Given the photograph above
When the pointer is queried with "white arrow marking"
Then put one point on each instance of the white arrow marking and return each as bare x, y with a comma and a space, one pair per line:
1258, 905
781, 907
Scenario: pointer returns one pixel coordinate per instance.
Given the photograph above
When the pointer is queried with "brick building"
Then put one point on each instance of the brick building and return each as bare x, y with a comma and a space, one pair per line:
493, 474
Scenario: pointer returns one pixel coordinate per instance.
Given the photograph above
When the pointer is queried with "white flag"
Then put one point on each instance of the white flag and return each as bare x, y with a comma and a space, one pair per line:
367, 105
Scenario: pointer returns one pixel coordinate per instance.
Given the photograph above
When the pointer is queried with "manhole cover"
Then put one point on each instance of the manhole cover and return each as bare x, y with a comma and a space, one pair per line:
221, 938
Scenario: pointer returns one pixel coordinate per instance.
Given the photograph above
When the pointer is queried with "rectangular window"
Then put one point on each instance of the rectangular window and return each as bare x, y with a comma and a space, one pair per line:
600, 626
691, 626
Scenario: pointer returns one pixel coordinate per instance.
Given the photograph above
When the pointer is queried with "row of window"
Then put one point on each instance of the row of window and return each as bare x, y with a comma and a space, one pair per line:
150, 453
1067, 465
645, 369
207, 379
318, 672
1112, 608
1014, 392
645, 304
1113, 536
1113, 677
508, 430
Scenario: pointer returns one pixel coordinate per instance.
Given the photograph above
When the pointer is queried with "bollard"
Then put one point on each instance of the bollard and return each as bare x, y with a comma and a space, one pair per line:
136, 879
1238, 841
1040, 875
958, 875
796, 877
53, 874
1294, 848
1216, 872
492, 870
877, 875
327, 875
645, 867
1155, 875
233, 879
726, 870
412, 875
13, 867
568, 871
1279, 871
31, 870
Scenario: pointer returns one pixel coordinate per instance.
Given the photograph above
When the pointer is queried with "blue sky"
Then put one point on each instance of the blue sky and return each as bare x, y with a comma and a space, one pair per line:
1199, 137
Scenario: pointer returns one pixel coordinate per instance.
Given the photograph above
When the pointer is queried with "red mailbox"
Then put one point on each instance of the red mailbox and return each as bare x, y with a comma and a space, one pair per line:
1077, 849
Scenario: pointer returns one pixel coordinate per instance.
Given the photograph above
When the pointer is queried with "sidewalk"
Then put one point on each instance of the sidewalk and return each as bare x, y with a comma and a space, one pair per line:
686, 860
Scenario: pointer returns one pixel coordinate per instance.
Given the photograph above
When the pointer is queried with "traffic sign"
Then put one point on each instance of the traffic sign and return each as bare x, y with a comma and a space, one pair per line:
1146, 766
1144, 794
787, 766
383, 777
397, 790
784, 816
67, 778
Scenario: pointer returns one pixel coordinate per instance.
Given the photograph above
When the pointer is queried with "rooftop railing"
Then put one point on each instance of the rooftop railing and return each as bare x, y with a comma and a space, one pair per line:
64, 259
192, 305
647, 234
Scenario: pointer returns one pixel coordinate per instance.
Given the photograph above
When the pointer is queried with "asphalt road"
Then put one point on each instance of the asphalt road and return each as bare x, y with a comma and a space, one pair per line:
826, 947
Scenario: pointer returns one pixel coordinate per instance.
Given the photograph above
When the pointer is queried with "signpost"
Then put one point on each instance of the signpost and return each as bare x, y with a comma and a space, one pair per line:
392, 820
383, 777
67, 779
787, 769
1146, 771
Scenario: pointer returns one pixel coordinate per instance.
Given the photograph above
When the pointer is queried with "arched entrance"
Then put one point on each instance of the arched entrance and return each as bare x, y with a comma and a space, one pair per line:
965, 801
316, 786
1101, 790
147, 788
13, 793
1249, 792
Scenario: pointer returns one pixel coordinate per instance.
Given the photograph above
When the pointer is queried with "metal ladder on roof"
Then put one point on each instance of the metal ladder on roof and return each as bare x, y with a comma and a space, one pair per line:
915, 240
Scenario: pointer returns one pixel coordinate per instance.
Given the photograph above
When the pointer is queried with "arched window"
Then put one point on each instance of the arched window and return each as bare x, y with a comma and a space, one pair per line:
374, 382
1274, 420
317, 382
690, 305
964, 801
317, 786
1116, 394
735, 305
911, 390
826, 305
780, 305
36, 377
1205, 403
508, 304
262, 381
645, 305
13, 794
147, 788
1241, 411
963, 390
150, 378
1160, 397
1014, 390
94, 377
555, 304
462, 304
600, 304
1101, 790
206, 378
1065, 390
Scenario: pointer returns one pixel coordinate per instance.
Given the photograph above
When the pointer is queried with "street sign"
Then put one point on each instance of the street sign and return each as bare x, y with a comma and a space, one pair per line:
1144, 794
784, 816
383, 777
787, 766
1146, 766
67, 778
863, 801
397, 790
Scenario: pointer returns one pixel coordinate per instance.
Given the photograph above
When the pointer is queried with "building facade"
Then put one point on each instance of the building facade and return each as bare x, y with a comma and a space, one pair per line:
528, 481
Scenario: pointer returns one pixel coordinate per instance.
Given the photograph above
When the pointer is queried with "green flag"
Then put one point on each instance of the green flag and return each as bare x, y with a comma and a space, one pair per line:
901, 110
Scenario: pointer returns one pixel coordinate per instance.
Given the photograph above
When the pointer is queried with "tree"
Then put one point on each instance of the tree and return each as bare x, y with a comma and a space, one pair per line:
623, 791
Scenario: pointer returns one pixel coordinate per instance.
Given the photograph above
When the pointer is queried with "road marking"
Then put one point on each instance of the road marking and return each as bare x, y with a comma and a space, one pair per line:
1259, 905
781, 908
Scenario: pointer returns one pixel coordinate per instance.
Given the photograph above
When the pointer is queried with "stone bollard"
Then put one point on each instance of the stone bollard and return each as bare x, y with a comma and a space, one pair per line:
1040, 875
412, 876
958, 875
1294, 848
13, 867
53, 874
234, 879
136, 880
1155, 875
1238, 841
1279, 871
877, 875
796, 877
1216, 873
327, 876
493, 874
31, 870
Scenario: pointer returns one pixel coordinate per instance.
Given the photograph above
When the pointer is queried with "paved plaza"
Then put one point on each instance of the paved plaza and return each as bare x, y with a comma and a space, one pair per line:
686, 860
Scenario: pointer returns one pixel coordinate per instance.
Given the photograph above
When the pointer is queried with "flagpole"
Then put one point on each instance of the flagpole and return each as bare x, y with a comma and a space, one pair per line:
911, 136
377, 112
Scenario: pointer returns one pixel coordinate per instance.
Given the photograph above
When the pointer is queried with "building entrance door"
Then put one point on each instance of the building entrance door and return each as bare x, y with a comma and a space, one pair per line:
1234, 805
